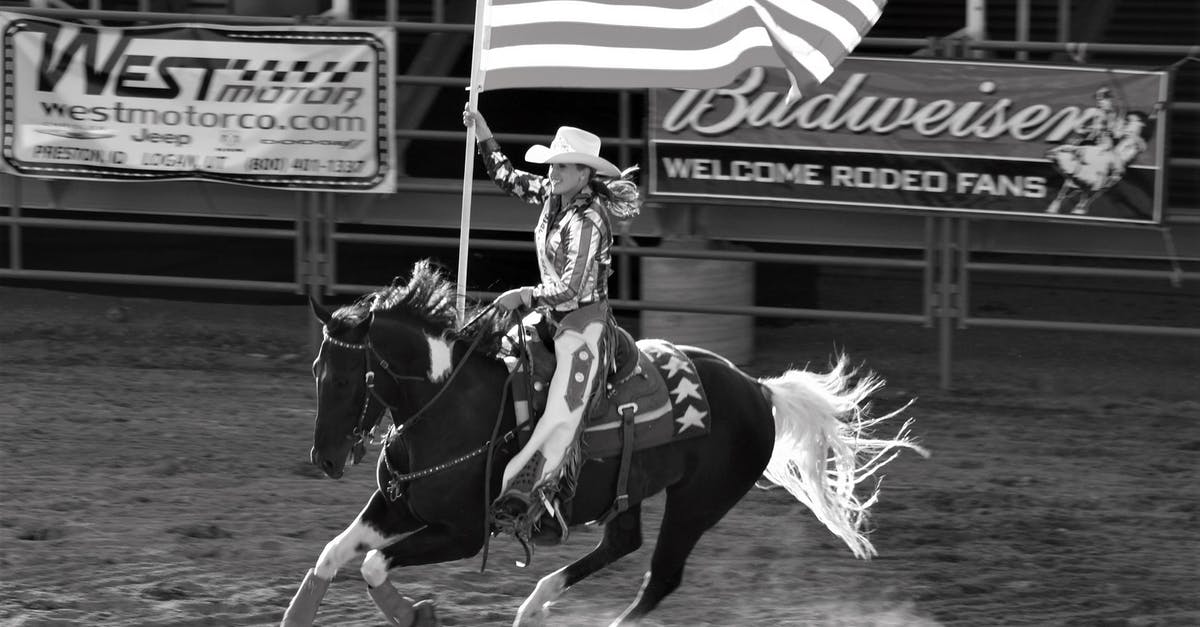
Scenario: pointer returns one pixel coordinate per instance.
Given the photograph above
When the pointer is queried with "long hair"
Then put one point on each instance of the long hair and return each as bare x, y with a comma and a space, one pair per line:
619, 196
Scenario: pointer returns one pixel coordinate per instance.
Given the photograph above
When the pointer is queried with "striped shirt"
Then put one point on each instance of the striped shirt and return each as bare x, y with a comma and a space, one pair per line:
574, 243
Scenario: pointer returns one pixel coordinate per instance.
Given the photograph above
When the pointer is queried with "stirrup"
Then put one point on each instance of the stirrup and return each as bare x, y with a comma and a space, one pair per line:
552, 517
509, 514
512, 504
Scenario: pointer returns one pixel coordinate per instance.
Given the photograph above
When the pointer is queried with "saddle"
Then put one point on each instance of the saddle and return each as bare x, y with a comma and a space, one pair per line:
651, 396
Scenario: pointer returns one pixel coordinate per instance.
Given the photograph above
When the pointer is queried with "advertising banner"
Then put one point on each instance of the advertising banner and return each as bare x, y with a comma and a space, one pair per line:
301, 107
1004, 139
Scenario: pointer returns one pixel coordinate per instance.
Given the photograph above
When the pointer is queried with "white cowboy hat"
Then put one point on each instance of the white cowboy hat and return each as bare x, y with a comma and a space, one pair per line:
573, 145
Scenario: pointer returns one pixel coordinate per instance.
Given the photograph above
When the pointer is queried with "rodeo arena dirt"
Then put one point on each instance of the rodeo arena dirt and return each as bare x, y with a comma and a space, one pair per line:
154, 470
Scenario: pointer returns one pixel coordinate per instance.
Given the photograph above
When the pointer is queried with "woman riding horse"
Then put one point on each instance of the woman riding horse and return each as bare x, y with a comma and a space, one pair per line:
447, 389
579, 196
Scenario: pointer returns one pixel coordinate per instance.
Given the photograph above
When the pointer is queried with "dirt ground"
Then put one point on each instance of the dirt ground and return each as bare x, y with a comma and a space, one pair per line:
154, 471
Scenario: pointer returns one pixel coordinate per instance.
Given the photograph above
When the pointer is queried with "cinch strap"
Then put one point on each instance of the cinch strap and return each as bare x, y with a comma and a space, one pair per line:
628, 412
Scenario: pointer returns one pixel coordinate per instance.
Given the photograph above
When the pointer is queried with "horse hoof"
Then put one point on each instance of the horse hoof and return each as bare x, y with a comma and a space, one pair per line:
538, 618
426, 614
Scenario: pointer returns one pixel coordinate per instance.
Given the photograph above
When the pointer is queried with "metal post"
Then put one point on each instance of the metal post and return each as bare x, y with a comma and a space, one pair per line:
329, 276
625, 272
321, 202
976, 27
300, 256
311, 238
310, 248
928, 272
963, 282
950, 48
14, 229
1064, 20
1023, 28
945, 313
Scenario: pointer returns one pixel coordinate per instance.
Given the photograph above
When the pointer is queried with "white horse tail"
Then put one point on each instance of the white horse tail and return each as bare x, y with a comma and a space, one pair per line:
823, 449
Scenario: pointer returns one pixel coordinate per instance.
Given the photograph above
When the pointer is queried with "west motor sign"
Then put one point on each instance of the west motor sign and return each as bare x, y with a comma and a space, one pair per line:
291, 106
1020, 140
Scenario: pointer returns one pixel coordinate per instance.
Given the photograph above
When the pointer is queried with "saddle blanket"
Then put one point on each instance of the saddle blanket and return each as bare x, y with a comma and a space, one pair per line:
666, 397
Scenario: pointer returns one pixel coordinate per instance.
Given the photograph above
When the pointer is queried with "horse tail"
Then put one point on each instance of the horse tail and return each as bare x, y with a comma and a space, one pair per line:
823, 449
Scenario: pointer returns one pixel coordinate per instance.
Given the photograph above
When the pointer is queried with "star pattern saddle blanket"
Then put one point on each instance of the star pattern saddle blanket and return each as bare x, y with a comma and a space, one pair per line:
652, 384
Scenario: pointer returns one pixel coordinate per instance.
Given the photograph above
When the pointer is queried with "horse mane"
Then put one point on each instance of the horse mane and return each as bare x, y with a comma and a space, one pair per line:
429, 299
349, 316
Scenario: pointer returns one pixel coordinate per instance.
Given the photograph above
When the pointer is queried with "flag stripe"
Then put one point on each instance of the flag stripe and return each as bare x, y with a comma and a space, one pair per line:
634, 78
840, 17
578, 56
604, 35
678, 4
665, 43
868, 7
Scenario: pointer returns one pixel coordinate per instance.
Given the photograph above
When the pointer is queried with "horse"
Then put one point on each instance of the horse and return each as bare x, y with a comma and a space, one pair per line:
402, 348
1088, 169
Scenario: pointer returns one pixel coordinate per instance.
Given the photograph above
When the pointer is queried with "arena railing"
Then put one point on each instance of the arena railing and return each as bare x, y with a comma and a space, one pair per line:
943, 244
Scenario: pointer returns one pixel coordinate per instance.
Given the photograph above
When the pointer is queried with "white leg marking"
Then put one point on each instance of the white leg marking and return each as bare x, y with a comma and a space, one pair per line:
536, 607
440, 358
346, 545
374, 568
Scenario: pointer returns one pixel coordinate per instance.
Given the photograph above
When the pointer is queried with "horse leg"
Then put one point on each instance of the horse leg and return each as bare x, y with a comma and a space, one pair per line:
362, 534
622, 536
1056, 204
430, 545
692, 508
666, 565
1085, 201
399, 611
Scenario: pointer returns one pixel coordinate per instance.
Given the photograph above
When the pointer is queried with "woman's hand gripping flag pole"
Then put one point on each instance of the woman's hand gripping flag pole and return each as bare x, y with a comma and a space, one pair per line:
464, 228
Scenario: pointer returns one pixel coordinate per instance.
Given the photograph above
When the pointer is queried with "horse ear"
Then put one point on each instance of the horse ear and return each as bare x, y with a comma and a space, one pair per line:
322, 314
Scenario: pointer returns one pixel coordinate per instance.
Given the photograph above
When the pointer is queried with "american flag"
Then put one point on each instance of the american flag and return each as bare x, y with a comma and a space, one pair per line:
665, 43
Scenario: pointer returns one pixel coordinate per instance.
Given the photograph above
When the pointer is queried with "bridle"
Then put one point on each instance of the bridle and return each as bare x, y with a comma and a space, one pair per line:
365, 425
394, 490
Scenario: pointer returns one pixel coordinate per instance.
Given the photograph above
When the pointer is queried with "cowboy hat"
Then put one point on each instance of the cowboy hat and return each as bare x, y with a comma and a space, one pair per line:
573, 145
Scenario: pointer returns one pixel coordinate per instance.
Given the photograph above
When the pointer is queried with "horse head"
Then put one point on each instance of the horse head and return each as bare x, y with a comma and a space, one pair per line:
393, 349
346, 412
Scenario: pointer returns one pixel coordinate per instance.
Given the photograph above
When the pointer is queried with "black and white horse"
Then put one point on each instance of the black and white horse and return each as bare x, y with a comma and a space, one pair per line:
806, 432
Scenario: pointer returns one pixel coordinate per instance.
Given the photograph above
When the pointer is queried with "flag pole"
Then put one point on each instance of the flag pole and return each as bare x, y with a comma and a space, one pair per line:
464, 228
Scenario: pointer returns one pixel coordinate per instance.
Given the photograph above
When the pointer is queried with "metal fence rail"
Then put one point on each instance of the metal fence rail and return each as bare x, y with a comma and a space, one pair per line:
15, 223
916, 265
942, 258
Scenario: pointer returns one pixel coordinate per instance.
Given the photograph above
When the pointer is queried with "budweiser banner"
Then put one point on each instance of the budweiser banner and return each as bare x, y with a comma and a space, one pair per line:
290, 106
1017, 140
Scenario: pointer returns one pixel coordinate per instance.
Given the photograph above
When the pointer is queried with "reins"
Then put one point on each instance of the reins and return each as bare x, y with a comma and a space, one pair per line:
395, 488
420, 413
369, 350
